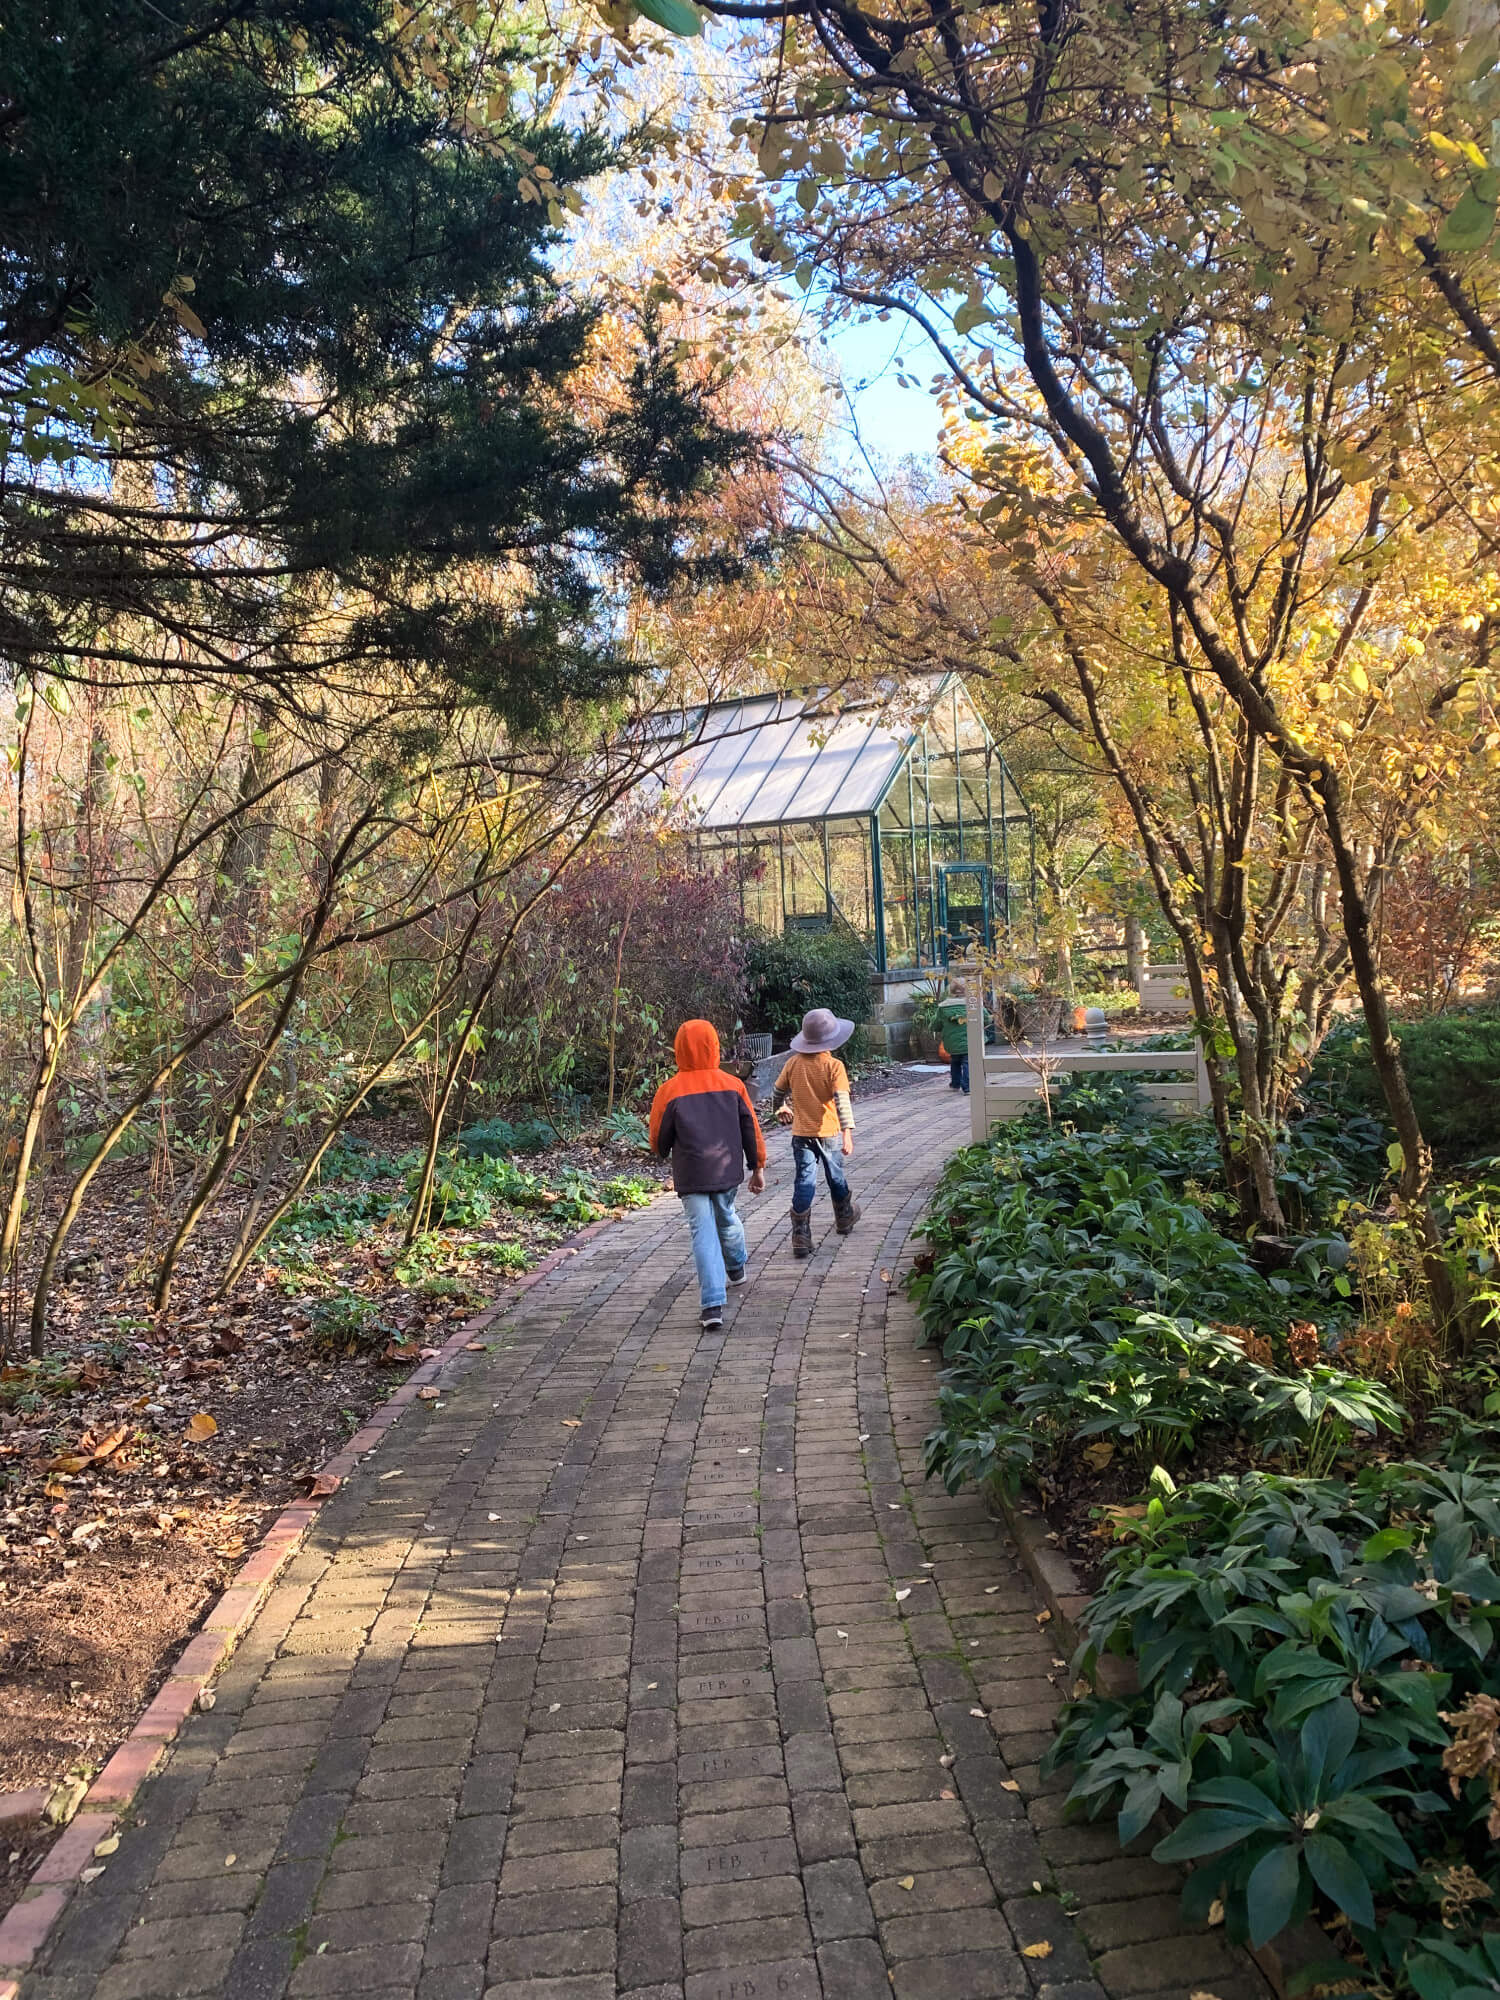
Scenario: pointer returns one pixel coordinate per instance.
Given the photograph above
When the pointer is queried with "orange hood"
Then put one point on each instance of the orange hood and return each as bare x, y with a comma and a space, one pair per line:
696, 1045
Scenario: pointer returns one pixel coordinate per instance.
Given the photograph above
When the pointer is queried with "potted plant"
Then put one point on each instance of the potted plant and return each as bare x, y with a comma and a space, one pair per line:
927, 996
1039, 1015
1031, 1007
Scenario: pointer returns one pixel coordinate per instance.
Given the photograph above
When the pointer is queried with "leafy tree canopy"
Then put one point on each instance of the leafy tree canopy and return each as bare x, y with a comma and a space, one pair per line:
290, 384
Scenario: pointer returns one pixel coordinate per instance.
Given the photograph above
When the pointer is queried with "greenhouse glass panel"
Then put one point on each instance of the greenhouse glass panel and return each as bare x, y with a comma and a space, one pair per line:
760, 881
850, 874
976, 756
794, 793
942, 789
844, 761
896, 808
879, 762
898, 901
717, 741
805, 888
739, 800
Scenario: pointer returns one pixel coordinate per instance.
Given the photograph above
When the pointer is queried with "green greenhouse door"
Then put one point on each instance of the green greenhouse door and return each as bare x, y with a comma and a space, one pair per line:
963, 906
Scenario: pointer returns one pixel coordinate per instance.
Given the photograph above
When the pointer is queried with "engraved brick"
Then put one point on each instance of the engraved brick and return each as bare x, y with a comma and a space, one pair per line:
796, 1979
706, 1865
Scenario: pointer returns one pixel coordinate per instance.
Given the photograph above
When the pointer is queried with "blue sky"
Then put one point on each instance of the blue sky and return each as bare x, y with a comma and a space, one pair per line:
894, 422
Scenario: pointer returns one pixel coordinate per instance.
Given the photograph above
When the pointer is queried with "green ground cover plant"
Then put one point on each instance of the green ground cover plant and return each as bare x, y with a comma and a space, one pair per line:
346, 1323
1305, 1649
500, 1138
1452, 1065
1302, 1541
360, 1194
467, 1192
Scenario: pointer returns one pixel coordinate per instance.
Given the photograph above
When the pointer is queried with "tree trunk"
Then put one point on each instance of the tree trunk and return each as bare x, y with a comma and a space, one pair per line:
1385, 1051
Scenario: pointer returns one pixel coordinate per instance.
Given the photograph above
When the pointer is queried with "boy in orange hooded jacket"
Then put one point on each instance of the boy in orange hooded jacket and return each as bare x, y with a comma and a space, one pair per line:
703, 1120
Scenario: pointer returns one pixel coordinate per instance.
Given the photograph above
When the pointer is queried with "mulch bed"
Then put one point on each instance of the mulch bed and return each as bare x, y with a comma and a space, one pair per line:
1088, 1506
882, 1077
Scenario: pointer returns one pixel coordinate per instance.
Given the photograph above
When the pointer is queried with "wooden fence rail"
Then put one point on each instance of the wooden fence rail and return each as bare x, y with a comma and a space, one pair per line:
1005, 1082
1163, 990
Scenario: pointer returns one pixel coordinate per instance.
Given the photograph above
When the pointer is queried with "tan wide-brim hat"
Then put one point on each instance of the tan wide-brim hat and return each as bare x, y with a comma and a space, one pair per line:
822, 1031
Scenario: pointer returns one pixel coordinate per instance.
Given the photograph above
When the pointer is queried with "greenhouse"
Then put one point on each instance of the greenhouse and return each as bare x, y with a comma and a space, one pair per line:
895, 817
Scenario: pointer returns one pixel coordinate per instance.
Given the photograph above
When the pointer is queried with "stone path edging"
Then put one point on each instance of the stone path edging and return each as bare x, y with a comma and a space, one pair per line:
27, 1925
1057, 1582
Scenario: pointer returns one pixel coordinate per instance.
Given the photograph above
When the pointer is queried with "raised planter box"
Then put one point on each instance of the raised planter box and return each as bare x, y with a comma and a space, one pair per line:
1006, 1083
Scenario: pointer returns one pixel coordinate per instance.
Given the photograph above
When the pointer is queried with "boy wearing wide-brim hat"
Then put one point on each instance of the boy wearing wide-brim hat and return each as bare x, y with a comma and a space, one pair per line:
812, 1096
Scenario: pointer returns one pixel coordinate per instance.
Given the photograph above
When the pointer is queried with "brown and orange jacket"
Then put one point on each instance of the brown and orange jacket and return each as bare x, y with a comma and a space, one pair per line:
703, 1117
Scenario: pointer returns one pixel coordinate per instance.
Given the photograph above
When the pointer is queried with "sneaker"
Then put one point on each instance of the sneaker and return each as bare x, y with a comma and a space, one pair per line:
711, 1318
736, 1278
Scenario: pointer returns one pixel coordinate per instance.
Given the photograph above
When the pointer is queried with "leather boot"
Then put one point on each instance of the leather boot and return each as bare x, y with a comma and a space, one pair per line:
845, 1214
802, 1243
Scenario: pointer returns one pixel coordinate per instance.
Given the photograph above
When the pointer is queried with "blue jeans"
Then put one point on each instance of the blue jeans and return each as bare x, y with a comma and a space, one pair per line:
958, 1073
806, 1156
718, 1240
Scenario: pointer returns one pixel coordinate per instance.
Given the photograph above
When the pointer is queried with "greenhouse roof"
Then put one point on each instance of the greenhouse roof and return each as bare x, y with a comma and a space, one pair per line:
775, 758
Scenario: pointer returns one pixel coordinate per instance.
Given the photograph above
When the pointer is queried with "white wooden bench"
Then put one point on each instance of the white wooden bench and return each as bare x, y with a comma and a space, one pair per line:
1005, 1082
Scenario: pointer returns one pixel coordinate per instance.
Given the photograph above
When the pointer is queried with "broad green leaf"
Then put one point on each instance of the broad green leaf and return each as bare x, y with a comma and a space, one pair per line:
1207, 1833
1386, 1543
1340, 1877
1141, 1803
678, 17
1470, 224
1328, 1737
1241, 1796
1271, 1892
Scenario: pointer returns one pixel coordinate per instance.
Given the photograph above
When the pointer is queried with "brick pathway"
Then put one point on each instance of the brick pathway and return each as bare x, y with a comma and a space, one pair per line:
643, 1662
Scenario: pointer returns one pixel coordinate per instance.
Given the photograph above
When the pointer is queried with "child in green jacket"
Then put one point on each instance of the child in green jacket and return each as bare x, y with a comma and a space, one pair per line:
953, 1029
